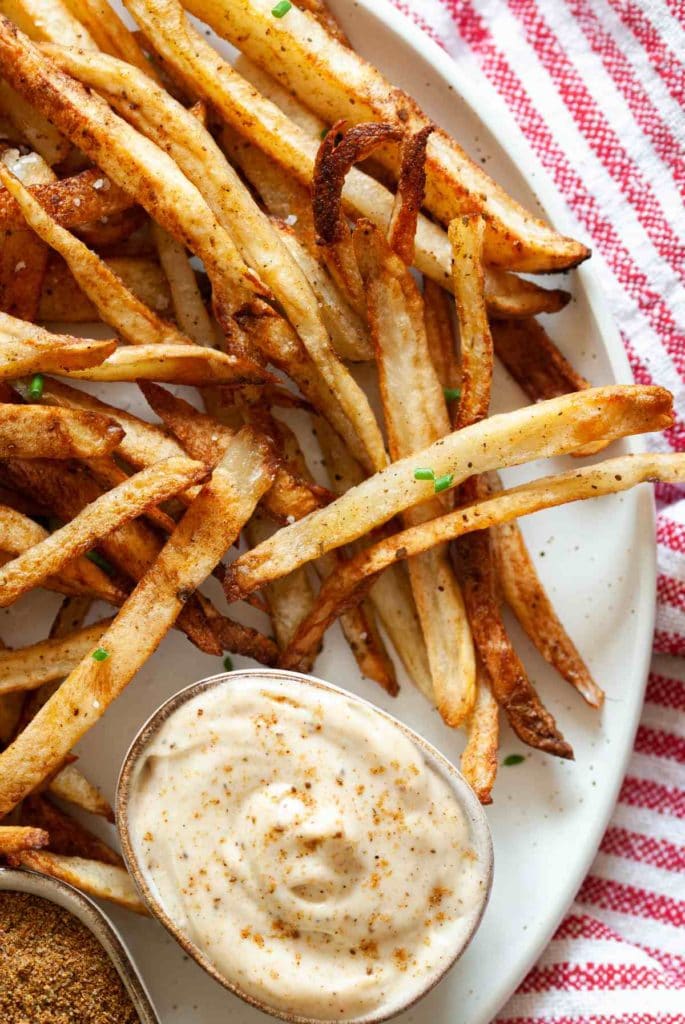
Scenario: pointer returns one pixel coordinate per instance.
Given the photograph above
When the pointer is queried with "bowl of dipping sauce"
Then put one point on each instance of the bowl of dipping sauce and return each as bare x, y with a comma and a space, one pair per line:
316, 856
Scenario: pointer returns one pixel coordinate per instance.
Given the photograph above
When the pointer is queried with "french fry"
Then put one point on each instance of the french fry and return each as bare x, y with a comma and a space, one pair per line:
41, 136
507, 295
23, 256
34, 432
478, 762
62, 301
440, 337
148, 487
67, 836
14, 839
26, 348
116, 305
549, 428
110, 33
319, 10
533, 360
202, 537
176, 364
72, 201
104, 881
71, 785
336, 82
353, 579
48, 20
27, 668
283, 98
190, 310
466, 237
168, 124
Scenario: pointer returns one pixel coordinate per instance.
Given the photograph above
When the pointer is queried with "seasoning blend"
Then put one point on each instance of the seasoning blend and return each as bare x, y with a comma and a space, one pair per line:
306, 846
53, 970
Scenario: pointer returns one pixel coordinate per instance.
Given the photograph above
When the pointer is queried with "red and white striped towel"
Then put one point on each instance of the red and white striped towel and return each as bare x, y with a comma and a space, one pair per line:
598, 89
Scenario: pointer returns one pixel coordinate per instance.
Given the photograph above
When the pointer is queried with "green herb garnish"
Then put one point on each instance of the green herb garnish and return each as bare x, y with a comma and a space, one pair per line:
441, 483
281, 8
36, 387
424, 474
97, 559
228, 664
513, 759
452, 394
324, 133
100, 654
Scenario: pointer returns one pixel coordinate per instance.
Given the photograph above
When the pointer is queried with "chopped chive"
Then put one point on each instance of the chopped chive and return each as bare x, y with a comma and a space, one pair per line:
100, 654
513, 759
324, 132
228, 664
281, 8
441, 483
424, 474
452, 394
102, 563
36, 387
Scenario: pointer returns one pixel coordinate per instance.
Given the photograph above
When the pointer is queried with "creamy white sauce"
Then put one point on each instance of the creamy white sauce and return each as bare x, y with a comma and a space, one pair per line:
306, 846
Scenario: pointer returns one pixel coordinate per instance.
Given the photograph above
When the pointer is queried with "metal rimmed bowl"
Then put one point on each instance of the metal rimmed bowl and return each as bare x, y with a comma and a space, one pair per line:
479, 832
95, 920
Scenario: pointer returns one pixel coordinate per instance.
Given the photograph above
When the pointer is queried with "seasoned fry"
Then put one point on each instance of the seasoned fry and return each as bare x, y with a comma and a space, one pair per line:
177, 364
67, 836
72, 202
26, 348
115, 304
34, 432
191, 314
23, 256
441, 340
466, 237
41, 136
533, 360
353, 580
148, 487
507, 295
199, 541
48, 21
27, 668
478, 762
549, 428
62, 301
110, 33
105, 881
15, 839
70, 785
334, 81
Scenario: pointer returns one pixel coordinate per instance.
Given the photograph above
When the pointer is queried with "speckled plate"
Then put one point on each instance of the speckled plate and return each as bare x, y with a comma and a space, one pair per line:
597, 560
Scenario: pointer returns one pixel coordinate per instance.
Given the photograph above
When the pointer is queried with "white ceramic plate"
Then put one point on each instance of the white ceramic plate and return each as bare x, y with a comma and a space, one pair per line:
596, 559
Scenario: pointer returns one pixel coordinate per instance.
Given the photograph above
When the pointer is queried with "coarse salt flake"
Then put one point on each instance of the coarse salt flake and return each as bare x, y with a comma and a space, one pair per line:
19, 266
291, 219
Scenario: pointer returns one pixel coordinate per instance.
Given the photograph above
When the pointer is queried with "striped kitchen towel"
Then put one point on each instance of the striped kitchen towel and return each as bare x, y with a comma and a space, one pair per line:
597, 89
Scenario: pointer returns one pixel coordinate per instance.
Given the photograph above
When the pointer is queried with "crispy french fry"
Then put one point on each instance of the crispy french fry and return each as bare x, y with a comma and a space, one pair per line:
48, 20
148, 487
190, 310
110, 33
116, 305
440, 337
33, 127
507, 295
283, 98
72, 201
15, 839
34, 432
27, 668
533, 360
353, 579
177, 364
26, 348
466, 236
105, 881
549, 428
199, 541
23, 256
478, 762
336, 82
67, 836
70, 785
62, 301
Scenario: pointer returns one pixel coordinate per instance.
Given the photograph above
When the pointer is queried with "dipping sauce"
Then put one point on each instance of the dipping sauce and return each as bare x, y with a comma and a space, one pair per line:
306, 846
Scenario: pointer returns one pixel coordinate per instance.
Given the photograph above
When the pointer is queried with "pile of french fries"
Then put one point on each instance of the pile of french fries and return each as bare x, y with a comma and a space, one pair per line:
252, 231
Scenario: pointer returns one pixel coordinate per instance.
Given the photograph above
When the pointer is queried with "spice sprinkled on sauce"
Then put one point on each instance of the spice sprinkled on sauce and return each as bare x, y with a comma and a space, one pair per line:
306, 847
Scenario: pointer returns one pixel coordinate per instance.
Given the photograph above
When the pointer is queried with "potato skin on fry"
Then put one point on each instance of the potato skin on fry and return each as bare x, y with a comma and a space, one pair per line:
36, 432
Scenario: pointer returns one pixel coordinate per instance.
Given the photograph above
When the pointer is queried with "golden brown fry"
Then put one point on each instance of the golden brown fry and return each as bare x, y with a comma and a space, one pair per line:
48, 20
549, 428
104, 881
437, 318
148, 487
27, 668
319, 10
35, 432
70, 785
62, 301
478, 762
191, 313
23, 256
26, 348
15, 839
116, 305
466, 237
272, 90
176, 364
72, 202
335, 82
110, 33
67, 836
507, 295
33, 127
200, 540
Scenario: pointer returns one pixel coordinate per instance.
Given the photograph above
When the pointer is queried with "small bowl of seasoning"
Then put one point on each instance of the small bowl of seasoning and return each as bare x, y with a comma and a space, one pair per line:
61, 959
313, 854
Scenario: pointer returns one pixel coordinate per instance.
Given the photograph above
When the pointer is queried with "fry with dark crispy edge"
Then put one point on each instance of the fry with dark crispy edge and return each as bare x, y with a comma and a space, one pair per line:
200, 540
353, 579
67, 836
35, 432
72, 201
176, 364
17, 838
334, 81
555, 427
116, 305
148, 487
26, 348
533, 360
62, 301
27, 668
104, 881
478, 763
